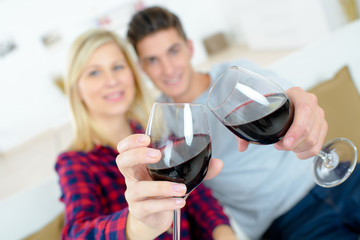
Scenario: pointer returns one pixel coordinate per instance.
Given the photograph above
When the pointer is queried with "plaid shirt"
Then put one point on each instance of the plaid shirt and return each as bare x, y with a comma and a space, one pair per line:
95, 207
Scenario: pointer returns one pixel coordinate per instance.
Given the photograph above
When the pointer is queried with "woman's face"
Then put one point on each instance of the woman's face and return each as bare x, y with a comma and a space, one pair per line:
107, 85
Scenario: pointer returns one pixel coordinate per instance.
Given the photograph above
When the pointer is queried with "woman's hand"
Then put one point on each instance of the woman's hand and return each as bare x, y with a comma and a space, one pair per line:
151, 203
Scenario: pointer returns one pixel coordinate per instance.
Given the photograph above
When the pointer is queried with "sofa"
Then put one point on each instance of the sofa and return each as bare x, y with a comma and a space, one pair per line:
329, 68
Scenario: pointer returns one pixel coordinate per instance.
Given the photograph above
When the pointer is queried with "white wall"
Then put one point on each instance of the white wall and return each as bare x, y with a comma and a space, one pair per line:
29, 101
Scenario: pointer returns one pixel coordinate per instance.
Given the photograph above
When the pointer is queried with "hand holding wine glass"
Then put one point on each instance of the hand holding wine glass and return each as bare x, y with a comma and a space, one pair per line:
150, 203
180, 131
308, 129
257, 110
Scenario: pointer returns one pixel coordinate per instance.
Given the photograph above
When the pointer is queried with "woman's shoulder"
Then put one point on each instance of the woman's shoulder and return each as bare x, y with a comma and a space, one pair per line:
136, 126
83, 157
70, 157
77, 157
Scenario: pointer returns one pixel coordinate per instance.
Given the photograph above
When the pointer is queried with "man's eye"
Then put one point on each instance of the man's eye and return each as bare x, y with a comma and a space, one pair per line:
151, 61
174, 51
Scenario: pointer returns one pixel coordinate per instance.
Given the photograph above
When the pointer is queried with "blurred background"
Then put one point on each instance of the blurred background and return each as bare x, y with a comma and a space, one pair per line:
35, 36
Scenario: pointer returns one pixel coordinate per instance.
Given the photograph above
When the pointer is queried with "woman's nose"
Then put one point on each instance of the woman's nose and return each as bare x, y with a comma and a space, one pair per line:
111, 79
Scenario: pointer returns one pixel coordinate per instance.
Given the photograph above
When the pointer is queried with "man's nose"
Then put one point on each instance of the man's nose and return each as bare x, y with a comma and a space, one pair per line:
167, 67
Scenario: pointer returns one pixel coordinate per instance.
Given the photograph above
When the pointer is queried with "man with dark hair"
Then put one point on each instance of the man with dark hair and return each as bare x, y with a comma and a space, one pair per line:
264, 189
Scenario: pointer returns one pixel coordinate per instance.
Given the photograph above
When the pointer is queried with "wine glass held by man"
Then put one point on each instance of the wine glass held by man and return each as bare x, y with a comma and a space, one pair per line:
109, 102
257, 110
265, 190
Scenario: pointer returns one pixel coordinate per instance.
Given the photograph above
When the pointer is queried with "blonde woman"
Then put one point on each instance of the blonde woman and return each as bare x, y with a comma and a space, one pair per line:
109, 102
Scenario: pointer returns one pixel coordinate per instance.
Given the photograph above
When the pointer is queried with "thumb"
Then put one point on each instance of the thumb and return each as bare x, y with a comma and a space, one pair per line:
242, 144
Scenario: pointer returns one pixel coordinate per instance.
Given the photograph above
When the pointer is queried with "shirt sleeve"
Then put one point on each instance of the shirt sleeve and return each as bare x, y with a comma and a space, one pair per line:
205, 210
84, 216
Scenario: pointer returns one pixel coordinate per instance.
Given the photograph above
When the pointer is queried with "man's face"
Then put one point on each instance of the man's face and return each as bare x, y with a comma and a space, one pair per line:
166, 58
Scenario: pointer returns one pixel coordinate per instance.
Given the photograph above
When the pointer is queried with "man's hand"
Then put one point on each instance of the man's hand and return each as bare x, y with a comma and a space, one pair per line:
307, 132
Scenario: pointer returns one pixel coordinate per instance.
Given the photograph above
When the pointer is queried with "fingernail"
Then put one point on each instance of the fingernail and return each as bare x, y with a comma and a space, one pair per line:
142, 139
152, 153
179, 188
179, 201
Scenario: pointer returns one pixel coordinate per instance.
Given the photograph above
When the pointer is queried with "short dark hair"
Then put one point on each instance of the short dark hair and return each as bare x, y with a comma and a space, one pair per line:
151, 20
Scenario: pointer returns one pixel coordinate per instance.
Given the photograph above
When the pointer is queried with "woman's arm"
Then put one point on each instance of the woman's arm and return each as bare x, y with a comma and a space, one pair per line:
84, 214
224, 232
208, 214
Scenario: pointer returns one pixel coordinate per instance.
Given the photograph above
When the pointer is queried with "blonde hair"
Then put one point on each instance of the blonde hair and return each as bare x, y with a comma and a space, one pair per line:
86, 130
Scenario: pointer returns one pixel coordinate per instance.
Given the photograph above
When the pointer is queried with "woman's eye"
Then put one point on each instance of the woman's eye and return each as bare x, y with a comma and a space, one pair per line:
94, 73
118, 67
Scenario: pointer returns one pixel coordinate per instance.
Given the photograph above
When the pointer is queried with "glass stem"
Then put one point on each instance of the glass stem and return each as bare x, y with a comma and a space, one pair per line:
328, 160
176, 224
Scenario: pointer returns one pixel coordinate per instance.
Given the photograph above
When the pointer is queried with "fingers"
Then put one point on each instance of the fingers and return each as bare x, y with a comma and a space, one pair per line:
308, 129
136, 156
150, 202
242, 144
154, 189
146, 198
301, 127
132, 163
214, 169
133, 141
144, 209
133, 157
133, 151
316, 148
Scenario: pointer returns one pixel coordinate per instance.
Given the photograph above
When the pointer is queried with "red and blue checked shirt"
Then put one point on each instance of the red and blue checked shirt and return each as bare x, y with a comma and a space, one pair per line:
95, 207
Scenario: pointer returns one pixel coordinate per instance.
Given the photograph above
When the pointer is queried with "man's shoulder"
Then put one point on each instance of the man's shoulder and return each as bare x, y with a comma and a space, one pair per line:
163, 98
240, 62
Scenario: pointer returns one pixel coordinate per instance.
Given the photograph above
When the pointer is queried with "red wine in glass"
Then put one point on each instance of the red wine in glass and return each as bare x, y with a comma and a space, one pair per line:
191, 171
267, 129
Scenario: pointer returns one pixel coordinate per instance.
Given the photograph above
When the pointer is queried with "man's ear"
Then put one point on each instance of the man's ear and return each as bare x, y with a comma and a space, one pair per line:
190, 46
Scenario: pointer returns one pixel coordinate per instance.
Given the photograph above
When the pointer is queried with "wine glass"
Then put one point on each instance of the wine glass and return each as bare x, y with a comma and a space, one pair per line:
181, 132
256, 109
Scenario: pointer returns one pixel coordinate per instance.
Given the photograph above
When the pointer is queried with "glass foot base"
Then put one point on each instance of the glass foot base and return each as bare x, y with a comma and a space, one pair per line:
335, 163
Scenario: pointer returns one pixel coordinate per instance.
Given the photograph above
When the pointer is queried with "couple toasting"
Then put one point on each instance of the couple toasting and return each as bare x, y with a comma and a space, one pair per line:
107, 191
